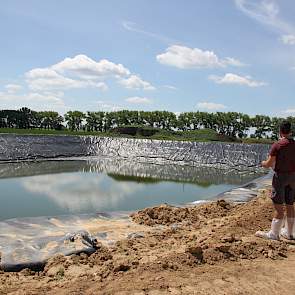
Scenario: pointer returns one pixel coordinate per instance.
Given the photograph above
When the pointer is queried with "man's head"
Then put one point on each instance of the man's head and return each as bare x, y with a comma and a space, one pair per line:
285, 128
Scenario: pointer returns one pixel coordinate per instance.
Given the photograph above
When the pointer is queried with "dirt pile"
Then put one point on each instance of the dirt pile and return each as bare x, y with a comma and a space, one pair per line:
217, 231
167, 215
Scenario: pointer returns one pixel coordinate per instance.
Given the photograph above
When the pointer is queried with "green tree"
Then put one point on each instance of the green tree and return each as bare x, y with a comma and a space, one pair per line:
110, 121
95, 121
184, 121
292, 120
244, 125
275, 127
26, 118
51, 120
124, 117
146, 118
74, 120
262, 124
207, 120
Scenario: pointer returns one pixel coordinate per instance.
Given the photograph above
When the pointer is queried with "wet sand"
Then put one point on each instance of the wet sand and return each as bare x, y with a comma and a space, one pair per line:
206, 249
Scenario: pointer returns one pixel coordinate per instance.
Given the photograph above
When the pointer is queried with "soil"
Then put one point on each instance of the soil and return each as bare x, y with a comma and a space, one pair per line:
207, 249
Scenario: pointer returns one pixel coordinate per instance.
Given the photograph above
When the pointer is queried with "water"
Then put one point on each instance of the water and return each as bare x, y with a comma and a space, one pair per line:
52, 188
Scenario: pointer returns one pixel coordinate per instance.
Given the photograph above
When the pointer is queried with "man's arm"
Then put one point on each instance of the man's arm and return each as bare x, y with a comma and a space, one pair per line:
269, 163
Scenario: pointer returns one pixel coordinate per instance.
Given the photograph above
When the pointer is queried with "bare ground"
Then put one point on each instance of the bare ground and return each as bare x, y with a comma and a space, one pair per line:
208, 249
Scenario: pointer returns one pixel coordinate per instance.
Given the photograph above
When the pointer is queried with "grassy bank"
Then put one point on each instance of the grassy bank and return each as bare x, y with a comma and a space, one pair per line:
202, 135
48, 132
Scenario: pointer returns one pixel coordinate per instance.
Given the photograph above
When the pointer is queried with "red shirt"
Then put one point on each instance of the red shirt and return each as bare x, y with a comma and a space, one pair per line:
284, 151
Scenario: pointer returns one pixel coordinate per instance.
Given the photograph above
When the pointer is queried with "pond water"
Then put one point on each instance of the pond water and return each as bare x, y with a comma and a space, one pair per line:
52, 188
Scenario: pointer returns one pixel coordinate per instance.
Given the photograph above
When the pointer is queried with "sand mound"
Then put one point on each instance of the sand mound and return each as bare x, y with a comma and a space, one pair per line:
167, 215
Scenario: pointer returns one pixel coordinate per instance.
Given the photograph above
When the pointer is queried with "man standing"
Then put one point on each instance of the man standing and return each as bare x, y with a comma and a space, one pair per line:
282, 160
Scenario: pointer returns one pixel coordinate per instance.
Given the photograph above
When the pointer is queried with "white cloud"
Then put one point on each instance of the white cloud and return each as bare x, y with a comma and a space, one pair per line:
13, 88
138, 100
46, 84
34, 100
135, 82
211, 106
107, 106
233, 62
189, 58
44, 98
267, 13
185, 58
100, 85
46, 78
230, 78
83, 72
290, 111
86, 68
54, 93
288, 39
132, 27
170, 87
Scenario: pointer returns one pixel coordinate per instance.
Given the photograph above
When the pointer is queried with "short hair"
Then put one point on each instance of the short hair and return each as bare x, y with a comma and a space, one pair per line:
285, 127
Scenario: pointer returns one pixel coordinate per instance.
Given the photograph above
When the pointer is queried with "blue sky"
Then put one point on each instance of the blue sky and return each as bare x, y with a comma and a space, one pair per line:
148, 55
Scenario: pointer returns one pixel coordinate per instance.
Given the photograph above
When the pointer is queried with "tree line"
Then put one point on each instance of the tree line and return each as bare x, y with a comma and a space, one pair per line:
232, 124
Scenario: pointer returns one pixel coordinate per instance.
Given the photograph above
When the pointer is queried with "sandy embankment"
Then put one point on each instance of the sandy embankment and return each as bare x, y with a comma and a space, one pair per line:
208, 249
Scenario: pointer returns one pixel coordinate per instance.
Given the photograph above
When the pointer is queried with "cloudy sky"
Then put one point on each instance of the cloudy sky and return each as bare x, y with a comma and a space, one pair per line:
230, 55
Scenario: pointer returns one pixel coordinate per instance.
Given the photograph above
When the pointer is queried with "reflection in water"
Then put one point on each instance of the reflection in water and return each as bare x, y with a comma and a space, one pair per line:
90, 185
76, 193
119, 167
137, 179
